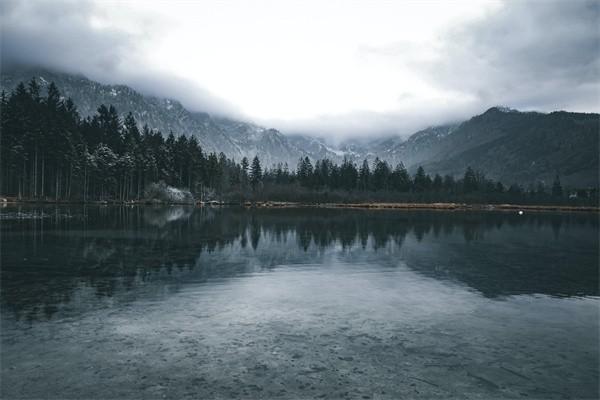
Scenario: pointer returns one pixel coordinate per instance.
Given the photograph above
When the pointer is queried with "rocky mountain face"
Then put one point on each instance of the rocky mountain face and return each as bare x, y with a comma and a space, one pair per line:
236, 139
413, 151
512, 146
163, 114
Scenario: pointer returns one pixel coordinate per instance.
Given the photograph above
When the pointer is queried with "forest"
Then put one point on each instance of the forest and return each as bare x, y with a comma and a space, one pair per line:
49, 152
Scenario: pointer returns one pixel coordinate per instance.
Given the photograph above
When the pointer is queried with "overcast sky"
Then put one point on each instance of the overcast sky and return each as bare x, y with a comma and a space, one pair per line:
332, 68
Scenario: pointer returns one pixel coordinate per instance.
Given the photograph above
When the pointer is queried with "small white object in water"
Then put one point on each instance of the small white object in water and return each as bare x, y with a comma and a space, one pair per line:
520, 212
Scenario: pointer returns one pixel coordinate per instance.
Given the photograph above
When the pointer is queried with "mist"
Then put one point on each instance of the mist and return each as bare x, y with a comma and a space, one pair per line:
525, 55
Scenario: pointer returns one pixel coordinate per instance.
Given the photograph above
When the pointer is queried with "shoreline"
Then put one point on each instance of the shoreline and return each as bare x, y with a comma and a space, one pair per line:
285, 204
468, 207
438, 206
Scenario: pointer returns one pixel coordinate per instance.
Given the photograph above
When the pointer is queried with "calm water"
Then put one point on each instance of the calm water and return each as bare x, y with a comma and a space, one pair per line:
110, 302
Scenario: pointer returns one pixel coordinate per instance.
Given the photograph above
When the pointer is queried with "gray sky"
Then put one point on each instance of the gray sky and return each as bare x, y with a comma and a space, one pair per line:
332, 68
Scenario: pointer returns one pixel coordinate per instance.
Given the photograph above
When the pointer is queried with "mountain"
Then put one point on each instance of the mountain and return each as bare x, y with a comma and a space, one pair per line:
236, 139
513, 146
505, 144
416, 149
270, 145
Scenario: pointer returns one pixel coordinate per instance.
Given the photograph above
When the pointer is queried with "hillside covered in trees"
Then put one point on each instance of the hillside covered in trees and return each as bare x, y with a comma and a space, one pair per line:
49, 152
508, 145
235, 138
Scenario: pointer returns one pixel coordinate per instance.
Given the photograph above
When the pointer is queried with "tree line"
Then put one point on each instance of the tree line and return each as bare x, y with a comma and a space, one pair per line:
48, 151
379, 181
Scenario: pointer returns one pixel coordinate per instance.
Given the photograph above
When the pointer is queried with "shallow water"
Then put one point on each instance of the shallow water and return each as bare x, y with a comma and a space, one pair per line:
113, 302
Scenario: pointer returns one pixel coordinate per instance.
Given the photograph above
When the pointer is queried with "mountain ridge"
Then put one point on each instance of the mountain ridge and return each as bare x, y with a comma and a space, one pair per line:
215, 134
502, 142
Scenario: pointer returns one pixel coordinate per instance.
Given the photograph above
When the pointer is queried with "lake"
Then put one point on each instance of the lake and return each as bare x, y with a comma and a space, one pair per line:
175, 302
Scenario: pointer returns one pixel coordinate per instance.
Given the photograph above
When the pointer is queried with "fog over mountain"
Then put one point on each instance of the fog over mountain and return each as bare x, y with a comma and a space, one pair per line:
399, 81
370, 70
235, 138
505, 144
299, 199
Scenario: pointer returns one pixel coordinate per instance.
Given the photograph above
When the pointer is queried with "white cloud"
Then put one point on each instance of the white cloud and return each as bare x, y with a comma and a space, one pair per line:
335, 68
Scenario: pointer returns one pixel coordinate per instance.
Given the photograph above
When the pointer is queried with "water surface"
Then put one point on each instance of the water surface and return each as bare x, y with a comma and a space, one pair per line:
142, 302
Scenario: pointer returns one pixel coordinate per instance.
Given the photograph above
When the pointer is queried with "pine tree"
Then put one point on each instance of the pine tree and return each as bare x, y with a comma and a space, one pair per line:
131, 131
213, 174
53, 97
420, 180
244, 171
400, 178
196, 164
364, 176
540, 189
470, 181
437, 183
305, 172
348, 174
107, 127
557, 190
381, 175
499, 188
255, 173
224, 172
34, 90
47, 150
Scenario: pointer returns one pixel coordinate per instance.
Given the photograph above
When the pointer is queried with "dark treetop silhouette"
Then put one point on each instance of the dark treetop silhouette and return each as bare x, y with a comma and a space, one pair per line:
50, 152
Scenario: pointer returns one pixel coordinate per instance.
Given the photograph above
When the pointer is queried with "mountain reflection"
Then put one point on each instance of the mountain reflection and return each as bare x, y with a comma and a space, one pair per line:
109, 250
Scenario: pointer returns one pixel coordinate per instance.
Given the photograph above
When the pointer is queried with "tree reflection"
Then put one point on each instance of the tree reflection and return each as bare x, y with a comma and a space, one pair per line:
112, 249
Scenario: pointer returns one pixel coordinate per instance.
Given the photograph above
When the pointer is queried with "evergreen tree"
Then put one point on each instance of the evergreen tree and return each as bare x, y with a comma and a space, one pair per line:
499, 187
540, 189
48, 151
437, 183
106, 124
255, 173
348, 174
381, 175
131, 131
212, 171
557, 190
195, 165
53, 97
245, 166
470, 183
34, 90
400, 178
305, 172
449, 184
364, 176
421, 181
